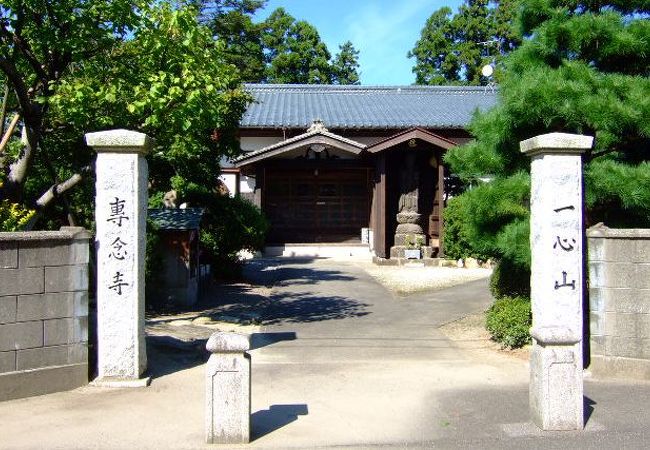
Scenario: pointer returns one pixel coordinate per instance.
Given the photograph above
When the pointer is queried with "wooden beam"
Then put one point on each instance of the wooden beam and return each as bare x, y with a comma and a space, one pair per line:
380, 209
441, 204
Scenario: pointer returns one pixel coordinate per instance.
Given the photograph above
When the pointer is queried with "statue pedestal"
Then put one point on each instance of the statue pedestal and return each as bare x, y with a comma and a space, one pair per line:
409, 236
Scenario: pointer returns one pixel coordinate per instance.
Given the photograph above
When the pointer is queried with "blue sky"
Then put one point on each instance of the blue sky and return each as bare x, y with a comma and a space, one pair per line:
382, 30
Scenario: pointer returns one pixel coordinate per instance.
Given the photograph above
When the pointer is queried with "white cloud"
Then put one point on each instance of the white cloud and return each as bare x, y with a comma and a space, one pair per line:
384, 32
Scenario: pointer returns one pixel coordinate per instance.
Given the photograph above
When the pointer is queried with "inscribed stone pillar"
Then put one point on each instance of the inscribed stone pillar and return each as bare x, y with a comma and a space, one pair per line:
228, 389
120, 214
557, 274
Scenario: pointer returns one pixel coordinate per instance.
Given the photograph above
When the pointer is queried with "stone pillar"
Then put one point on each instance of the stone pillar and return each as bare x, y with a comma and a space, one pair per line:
228, 389
120, 214
557, 236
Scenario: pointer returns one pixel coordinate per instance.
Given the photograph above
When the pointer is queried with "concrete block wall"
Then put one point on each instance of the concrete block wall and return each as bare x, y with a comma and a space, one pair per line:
43, 311
619, 301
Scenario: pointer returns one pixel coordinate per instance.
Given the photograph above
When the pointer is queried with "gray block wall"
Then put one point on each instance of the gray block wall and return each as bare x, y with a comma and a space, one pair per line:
43, 311
619, 301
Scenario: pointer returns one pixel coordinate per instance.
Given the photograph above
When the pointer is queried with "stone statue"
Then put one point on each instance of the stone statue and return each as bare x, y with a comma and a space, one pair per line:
409, 180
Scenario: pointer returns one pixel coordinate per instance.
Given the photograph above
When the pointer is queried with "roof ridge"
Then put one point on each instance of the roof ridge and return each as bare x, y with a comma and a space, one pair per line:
358, 87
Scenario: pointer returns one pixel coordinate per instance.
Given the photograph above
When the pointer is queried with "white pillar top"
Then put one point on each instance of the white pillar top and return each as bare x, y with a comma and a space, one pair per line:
556, 143
119, 141
223, 342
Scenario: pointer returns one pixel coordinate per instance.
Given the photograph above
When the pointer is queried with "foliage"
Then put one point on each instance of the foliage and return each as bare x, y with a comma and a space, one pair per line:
39, 44
582, 68
231, 21
482, 211
153, 259
345, 65
510, 279
14, 217
508, 320
294, 51
456, 241
452, 49
179, 91
159, 72
231, 225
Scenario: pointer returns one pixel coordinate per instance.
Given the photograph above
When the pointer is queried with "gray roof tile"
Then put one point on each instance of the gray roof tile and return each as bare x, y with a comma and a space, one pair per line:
358, 107
177, 219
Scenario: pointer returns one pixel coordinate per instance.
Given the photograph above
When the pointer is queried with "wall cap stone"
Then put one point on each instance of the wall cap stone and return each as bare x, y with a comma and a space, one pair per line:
119, 141
223, 342
65, 233
556, 143
555, 335
601, 231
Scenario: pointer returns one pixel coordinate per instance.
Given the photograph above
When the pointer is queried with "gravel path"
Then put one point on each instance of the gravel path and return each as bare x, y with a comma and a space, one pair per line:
406, 280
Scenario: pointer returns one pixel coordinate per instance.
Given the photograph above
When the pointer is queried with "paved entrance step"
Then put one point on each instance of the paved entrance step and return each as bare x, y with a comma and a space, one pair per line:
320, 250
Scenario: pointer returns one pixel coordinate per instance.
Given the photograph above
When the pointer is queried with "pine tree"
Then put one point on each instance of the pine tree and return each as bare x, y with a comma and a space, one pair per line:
294, 51
583, 68
346, 64
232, 22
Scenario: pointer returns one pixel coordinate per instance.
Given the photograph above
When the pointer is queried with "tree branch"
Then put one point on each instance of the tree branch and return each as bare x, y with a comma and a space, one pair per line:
57, 189
21, 90
7, 136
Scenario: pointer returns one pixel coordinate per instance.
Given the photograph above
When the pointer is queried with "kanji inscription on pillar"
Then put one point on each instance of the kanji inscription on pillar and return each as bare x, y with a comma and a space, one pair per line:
557, 279
120, 215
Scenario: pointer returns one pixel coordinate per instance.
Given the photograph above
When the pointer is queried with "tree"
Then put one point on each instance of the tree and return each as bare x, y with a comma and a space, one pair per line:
39, 42
232, 22
294, 51
166, 77
169, 81
582, 68
454, 48
345, 65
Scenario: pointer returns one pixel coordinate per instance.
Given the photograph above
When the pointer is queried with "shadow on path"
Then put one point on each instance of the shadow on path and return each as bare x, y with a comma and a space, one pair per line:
306, 307
165, 358
290, 272
277, 416
259, 340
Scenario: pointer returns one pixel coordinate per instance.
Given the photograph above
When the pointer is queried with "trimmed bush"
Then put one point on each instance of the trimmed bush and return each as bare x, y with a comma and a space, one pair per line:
231, 225
510, 279
509, 320
456, 239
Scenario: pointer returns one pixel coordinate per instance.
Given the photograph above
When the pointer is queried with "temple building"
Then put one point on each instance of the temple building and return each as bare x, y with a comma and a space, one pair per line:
355, 165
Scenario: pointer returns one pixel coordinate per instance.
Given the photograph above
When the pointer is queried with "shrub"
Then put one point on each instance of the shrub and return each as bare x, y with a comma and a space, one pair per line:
14, 217
510, 279
508, 320
456, 239
230, 225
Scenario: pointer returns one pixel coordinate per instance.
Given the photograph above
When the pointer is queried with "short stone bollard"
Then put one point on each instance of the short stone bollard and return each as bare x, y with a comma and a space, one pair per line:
228, 389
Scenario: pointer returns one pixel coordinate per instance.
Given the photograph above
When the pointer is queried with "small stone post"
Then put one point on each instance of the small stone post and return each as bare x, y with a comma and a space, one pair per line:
557, 274
228, 389
120, 213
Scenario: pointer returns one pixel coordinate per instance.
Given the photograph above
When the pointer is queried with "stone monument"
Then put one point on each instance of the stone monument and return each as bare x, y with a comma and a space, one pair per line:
557, 275
409, 233
228, 389
120, 214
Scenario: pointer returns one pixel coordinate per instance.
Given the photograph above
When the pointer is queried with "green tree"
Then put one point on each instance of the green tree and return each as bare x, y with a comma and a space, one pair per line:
166, 77
345, 65
169, 81
294, 51
40, 41
232, 22
583, 68
454, 48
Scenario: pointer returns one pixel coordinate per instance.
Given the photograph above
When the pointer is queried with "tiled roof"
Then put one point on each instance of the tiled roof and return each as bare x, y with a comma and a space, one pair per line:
364, 107
177, 219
